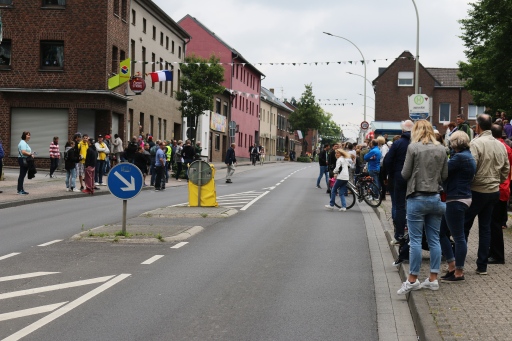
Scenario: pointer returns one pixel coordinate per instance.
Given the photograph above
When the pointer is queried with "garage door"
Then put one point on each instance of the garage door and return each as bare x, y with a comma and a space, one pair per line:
43, 125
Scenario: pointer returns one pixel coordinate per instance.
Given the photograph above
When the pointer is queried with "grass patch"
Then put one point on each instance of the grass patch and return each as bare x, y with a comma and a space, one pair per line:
204, 215
159, 237
123, 234
101, 235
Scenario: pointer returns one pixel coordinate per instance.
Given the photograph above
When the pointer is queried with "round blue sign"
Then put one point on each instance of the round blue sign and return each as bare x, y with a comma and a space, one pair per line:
125, 181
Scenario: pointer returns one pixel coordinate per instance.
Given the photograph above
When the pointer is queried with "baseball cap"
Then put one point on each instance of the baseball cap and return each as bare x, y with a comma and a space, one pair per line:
100, 135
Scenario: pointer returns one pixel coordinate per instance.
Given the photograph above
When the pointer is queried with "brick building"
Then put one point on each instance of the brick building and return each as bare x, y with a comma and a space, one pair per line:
396, 82
55, 59
243, 79
155, 39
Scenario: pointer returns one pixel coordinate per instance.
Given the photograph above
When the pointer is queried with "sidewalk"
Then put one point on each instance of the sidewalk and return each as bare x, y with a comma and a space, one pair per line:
476, 309
43, 188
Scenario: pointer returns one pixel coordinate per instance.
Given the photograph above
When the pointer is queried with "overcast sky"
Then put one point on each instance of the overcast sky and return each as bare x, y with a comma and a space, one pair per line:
286, 31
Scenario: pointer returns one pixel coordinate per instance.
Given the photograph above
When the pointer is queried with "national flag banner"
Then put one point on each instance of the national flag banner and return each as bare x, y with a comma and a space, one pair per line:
161, 76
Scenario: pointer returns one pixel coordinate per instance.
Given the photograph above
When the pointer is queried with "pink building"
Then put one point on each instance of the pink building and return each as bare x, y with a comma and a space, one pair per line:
240, 78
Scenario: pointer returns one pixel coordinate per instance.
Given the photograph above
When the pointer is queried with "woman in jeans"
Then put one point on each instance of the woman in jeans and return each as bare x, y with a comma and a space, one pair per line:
24, 151
425, 168
343, 162
461, 170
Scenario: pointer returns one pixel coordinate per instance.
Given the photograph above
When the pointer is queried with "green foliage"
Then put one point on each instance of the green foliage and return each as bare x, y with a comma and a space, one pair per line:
486, 36
329, 130
200, 80
306, 159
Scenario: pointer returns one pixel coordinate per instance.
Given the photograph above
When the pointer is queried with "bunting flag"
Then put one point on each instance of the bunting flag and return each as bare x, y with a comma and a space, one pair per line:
161, 76
341, 104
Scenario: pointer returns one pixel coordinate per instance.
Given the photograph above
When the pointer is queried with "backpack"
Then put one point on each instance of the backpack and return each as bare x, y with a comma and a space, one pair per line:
152, 151
66, 155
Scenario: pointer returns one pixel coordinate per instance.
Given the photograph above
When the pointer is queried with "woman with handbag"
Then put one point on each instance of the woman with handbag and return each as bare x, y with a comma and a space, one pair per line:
24, 152
343, 163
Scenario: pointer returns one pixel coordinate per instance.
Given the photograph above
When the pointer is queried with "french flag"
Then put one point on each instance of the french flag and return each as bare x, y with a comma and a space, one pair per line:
161, 76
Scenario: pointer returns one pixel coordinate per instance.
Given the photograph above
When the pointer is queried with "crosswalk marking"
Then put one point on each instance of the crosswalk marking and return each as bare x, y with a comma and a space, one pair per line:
152, 259
54, 287
31, 311
177, 246
27, 275
253, 201
9, 255
237, 200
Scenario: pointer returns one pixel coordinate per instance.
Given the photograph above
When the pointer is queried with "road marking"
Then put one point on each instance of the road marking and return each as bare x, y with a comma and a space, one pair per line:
281, 181
278, 184
68, 307
28, 275
52, 242
270, 188
54, 287
9, 255
31, 311
152, 259
253, 201
177, 246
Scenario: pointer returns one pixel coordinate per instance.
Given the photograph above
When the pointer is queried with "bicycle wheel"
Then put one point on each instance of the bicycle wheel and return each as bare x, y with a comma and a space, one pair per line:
371, 194
350, 199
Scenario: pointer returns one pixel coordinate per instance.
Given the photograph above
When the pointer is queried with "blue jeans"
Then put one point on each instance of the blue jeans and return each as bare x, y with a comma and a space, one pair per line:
98, 174
482, 205
453, 221
424, 211
324, 170
71, 178
342, 185
23, 173
375, 175
400, 204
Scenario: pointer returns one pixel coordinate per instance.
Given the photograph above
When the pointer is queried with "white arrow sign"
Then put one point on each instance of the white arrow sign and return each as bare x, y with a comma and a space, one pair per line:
131, 186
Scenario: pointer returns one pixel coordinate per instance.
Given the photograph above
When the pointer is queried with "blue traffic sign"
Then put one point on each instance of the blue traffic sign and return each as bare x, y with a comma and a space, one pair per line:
125, 181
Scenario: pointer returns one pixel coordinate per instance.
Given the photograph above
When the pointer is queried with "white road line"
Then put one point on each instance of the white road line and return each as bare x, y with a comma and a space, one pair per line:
152, 259
269, 188
52, 242
54, 287
31, 311
68, 307
177, 246
281, 181
253, 201
27, 275
278, 184
9, 255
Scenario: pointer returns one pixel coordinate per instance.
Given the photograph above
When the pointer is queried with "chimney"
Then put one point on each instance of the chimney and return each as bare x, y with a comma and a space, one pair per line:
271, 90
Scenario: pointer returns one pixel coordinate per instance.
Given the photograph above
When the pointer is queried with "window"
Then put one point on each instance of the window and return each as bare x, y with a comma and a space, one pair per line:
225, 112
124, 9
444, 112
143, 60
166, 42
132, 56
122, 55
5, 2
165, 129
52, 55
179, 80
161, 38
172, 46
166, 83
159, 128
115, 65
116, 8
217, 106
179, 51
151, 123
134, 15
474, 111
172, 81
154, 33
217, 142
153, 67
144, 22
5, 54
141, 124
45, 2
405, 78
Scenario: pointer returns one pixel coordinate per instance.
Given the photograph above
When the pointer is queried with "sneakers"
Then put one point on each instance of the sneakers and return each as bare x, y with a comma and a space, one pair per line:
397, 262
179, 180
75, 190
408, 287
318, 186
453, 279
81, 188
427, 284
478, 271
22, 193
394, 242
103, 184
329, 207
96, 184
342, 209
448, 274
68, 190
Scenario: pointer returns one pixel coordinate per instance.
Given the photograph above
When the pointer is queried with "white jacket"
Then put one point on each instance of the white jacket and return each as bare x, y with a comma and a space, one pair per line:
346, 164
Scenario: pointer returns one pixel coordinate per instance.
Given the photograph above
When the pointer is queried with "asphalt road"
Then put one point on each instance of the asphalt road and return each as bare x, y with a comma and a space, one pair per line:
284, 269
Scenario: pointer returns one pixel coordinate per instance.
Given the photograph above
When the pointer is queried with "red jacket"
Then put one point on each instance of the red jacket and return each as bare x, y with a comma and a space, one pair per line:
505, 185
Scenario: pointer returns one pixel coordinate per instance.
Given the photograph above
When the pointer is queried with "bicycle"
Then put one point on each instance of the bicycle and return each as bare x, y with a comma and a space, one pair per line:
262, 159
364, 188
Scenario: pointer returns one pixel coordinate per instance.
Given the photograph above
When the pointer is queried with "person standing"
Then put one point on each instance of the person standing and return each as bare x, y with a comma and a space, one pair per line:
373, 158
90, 167
492, 168
343, 163
384, 149
463, 125
461, 170
141, 161
188, 155
230, 162
102, 150
253, 151
425, 168
24, 152
54, 155
160, 167
2, 154
178, 159
70, 161
82, 147
168, 158
117, 149
324, 168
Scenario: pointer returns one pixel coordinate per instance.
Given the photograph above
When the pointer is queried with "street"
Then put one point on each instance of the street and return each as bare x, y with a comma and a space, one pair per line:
282, 268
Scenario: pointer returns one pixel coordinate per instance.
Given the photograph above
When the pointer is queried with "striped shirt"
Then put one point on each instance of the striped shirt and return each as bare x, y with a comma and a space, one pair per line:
54, 151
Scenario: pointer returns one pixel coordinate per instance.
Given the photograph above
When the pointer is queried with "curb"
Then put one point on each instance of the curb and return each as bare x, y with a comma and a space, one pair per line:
426, 327
185, 235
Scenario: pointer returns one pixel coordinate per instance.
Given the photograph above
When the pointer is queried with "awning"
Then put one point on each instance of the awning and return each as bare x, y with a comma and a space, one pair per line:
386, 127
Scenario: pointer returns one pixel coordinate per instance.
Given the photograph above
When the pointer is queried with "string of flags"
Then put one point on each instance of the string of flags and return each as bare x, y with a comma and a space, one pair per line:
341, 104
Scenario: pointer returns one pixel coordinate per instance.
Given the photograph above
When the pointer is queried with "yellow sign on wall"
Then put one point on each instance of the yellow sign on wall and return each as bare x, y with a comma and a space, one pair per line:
122, 77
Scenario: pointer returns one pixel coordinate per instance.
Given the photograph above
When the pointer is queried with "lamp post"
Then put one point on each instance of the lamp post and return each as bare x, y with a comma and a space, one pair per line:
364, 62
416, 79
356, 74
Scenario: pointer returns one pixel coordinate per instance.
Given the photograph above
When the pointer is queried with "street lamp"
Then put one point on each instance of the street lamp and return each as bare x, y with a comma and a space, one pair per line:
355, 74
416, 79
367, 96
364, 62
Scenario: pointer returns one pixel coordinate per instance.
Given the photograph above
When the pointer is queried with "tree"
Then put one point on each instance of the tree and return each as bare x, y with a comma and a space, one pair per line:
306, 116
200, 81
329, 131
486, 36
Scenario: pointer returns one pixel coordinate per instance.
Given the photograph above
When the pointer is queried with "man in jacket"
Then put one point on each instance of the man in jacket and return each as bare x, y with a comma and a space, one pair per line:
463, 125
324, 169
102, 149
394, 162
230, 161
492, 168
373, 158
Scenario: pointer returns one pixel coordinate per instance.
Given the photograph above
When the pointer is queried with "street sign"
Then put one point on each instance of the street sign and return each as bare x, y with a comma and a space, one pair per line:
125, 181
365, 125
419, 107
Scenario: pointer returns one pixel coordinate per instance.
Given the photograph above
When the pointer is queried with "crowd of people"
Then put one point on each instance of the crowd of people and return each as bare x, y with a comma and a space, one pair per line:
438, 185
